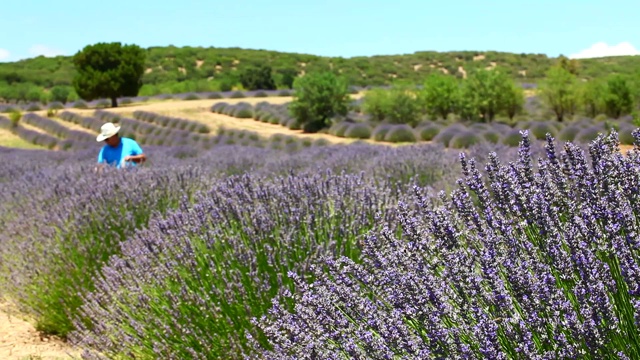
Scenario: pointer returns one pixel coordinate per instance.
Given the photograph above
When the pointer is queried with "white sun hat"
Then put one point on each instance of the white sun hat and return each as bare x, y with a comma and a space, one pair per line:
107, 130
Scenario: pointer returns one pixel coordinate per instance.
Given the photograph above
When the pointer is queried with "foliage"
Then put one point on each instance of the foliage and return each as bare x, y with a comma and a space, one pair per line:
376, 103
558, 91
258, 78
108, 70
440, 95
181, 69
592, 97
358, 131
619, 99
317, 98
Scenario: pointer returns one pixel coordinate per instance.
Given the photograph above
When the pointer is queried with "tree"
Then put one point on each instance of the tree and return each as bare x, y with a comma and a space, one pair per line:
376, 103
571, 66
60, 94
512, 100
108, 70
258, 78
558, 91
591, 97
317, 97
485, 89
440, 95
403, 106
619, 98
287, 77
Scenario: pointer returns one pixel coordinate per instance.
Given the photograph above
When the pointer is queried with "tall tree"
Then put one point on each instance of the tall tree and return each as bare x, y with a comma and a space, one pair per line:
440, 95
558, 91
317, 97
619, 99
108, 70
512, 99
592, 97
485, 89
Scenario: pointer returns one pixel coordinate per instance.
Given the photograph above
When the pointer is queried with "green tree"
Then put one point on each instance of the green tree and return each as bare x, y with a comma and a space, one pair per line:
485, 88
558, 91
286, 77
258, 78
512, 100
404, 107
619, 98
440, 95
317, 97
571, 66
376, 103
592, 97
108, 70
60, 94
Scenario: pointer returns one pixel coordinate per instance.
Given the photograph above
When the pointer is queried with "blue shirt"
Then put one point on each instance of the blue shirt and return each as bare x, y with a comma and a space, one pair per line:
115, 155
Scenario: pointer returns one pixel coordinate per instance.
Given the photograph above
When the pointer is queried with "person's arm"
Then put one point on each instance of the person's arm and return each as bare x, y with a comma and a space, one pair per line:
138, 156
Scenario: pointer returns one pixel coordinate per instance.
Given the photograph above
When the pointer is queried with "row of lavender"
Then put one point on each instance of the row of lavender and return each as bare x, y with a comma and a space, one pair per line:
450, 134
64, 139
292, 259
105, 103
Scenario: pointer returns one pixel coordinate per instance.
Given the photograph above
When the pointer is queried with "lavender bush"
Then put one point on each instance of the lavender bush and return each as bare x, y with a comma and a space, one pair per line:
537, 261
188, 286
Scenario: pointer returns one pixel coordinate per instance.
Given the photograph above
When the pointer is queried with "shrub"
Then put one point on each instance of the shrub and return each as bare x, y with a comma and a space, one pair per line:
15, 117
380, 132
192, 97
540, 129
126, 101
33, 107
284, 93
214, 95
261, 93
569, 133
358, 131
625, 135
512, 138
80, 104
589, 134
243, 113
274, 120
339, 128
237, 95
465, 140
56, 106
444, 136
491, 136
401, 133
294, 124
102, 104
428, 132
600, 117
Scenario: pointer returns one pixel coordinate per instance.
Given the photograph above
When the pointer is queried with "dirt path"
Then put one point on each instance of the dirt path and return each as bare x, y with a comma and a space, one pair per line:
20, 341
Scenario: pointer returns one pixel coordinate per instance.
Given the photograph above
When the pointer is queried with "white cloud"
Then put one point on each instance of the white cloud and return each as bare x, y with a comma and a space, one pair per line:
37, 50
4, 54
602, 49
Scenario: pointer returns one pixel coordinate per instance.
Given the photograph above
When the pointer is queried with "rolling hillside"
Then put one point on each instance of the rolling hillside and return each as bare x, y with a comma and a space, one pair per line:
172, 69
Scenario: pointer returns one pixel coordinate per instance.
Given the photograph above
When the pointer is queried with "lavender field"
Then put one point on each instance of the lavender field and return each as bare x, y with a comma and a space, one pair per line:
216, 249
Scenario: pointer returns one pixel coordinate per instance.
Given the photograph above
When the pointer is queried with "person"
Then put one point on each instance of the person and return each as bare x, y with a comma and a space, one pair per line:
118, 151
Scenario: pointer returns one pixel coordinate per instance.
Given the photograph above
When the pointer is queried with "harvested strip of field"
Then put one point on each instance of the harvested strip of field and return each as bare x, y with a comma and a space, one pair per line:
19, 340
9, 139
216, 121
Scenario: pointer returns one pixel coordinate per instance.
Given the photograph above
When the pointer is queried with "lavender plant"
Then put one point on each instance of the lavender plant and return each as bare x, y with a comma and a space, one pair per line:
537, 261
188, 286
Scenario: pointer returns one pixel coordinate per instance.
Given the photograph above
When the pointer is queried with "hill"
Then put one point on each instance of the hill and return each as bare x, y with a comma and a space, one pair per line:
195, 69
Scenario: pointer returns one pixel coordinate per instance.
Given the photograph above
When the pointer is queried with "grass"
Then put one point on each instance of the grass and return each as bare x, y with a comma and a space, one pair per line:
8, 139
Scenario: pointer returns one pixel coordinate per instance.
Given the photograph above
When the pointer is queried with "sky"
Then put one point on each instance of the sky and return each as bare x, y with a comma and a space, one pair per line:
347, 28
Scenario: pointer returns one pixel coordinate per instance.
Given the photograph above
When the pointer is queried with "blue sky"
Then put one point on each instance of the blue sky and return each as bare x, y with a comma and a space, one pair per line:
331, 27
